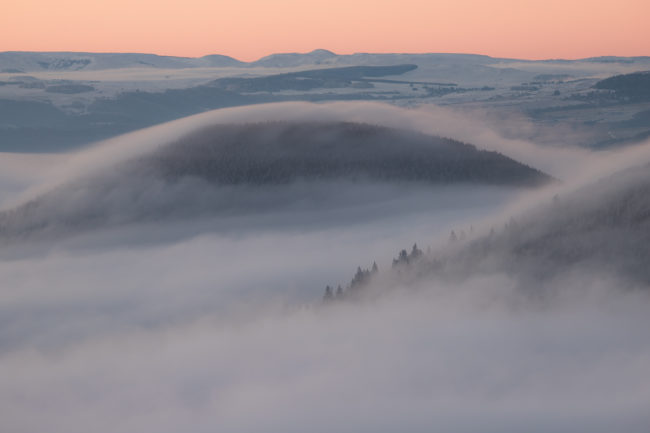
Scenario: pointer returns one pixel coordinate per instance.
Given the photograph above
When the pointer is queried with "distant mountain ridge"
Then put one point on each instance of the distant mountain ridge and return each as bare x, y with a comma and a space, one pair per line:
76, 61
86, 97
317, 56
25, 61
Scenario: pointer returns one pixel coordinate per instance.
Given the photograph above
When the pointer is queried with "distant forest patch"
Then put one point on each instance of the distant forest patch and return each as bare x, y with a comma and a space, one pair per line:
635, 86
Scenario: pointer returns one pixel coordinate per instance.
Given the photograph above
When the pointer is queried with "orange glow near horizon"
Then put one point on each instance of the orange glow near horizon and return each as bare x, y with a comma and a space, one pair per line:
250, 29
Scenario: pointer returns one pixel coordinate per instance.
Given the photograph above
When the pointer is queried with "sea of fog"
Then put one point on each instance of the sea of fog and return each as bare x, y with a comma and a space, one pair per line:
215, 322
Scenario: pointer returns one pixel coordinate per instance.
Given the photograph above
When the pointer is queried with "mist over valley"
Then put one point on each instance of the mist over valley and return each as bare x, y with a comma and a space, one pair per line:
323, 242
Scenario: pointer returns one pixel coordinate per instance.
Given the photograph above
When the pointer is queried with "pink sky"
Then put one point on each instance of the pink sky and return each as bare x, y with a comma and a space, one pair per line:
249, 29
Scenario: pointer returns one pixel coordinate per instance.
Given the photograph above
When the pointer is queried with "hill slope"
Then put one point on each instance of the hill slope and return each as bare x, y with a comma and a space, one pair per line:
601, 230
635, 86
188, 177
278, 152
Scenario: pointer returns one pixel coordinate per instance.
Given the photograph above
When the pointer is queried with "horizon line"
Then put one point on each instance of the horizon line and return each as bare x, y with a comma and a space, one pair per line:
328, 51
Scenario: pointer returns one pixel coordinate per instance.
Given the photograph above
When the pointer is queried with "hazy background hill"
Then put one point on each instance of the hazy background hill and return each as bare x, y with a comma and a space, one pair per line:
85, 97
634, 87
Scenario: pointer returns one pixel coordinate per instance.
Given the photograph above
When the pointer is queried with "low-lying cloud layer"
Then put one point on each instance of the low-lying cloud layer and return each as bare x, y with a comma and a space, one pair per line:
459, 361
214, 323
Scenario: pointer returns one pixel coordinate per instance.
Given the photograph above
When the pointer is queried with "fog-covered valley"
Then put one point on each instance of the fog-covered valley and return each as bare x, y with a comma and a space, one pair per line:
173, 279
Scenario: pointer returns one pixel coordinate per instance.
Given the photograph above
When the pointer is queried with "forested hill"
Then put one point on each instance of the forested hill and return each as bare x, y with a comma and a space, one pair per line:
600, 231
601, 228
279, 152
635, 86
245, 167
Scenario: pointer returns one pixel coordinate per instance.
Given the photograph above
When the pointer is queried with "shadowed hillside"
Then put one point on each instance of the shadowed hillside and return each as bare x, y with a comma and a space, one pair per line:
601, 231
282, 152
634, 87
248, 167
604, 227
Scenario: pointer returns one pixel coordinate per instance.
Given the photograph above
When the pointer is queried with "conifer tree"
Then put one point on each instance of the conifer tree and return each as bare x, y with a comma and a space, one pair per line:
415, 252
328, 294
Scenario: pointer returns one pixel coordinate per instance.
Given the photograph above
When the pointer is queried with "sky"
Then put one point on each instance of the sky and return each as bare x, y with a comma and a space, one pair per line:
250, 29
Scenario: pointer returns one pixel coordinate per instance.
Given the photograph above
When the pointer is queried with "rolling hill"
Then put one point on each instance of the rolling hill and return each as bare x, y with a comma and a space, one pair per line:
600, 231
186, 178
